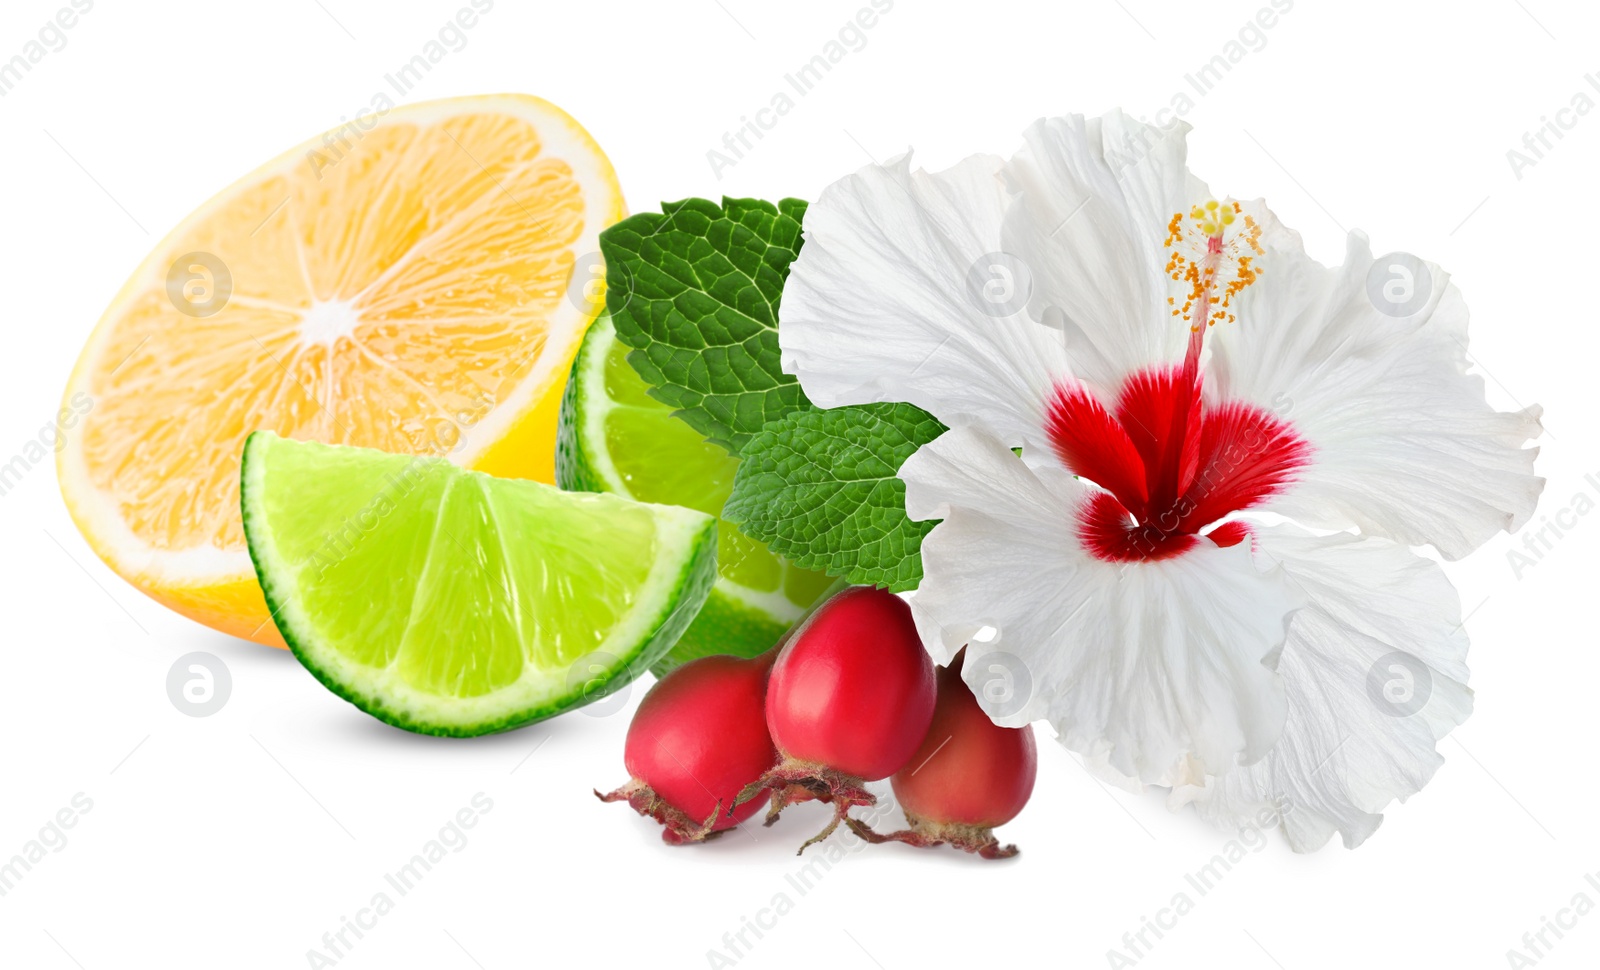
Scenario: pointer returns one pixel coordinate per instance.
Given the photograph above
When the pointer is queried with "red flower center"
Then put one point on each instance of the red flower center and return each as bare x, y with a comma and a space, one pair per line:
1171, 467
1168, 465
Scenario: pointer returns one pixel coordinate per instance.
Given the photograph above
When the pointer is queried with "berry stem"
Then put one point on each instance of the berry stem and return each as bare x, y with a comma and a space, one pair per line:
792, 781
677, 828
927, 835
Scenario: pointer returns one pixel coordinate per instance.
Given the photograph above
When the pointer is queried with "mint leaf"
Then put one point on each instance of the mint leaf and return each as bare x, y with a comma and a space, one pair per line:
695, 291
819, 487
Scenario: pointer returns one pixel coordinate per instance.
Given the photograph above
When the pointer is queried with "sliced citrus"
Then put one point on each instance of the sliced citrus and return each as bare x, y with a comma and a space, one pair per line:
615, 438
405, 282
450, 602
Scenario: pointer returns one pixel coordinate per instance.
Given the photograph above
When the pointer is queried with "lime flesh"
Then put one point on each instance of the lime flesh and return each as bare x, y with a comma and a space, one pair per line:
448, 602
615, 438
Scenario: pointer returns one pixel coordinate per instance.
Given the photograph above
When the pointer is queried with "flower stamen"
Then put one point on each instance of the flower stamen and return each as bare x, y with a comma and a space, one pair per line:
1212, 259
1215, 261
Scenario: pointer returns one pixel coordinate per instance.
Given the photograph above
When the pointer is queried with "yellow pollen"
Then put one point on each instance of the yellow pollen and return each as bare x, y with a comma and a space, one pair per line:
1211, 260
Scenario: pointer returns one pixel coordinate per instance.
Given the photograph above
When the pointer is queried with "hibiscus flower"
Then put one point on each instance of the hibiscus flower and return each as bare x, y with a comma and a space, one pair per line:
1187, 463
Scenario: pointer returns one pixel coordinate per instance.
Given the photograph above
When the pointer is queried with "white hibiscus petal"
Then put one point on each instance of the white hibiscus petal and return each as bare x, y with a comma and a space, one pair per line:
1145, 664
1375, 673
887, 301
1094, 197
1405, 443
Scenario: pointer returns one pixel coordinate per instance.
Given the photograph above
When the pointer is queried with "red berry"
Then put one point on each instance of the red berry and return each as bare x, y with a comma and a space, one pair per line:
969, 776
697, 739
849, 700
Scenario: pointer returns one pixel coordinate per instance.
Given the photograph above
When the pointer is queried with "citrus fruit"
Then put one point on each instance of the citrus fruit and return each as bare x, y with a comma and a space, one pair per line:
615, 438
451, 602
404, 282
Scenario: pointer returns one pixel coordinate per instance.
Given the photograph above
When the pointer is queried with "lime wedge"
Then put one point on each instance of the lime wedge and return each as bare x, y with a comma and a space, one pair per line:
448, 602
615, 438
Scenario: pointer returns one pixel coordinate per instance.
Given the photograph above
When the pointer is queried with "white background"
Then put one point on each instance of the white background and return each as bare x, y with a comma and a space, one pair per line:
239, 839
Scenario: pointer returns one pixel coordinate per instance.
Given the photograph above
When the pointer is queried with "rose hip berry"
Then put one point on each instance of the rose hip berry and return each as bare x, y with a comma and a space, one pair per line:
849, 701
697, 739
969, 776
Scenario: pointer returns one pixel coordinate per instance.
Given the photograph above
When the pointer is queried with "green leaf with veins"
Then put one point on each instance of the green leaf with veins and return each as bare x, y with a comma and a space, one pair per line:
820, 487
694, 291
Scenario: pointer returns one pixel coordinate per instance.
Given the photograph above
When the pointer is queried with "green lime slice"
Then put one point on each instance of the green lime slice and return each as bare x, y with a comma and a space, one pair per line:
615, 438
448, 602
